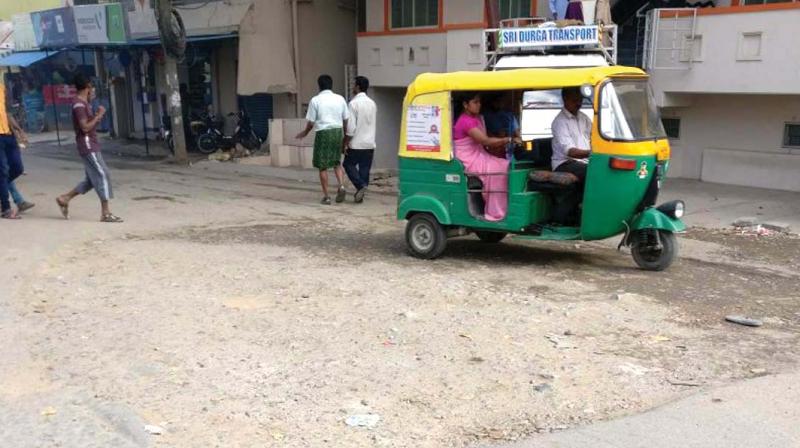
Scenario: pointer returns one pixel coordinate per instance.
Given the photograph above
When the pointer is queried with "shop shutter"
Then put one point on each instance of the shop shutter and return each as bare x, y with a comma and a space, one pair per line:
259, 107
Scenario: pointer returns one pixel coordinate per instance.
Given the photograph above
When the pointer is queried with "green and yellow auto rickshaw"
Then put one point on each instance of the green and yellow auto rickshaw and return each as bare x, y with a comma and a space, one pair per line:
628, 162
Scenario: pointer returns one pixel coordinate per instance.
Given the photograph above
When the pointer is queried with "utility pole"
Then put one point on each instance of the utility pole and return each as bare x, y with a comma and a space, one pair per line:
173, 40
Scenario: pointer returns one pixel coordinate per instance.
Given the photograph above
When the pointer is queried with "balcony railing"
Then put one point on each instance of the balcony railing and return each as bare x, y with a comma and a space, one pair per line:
670, 39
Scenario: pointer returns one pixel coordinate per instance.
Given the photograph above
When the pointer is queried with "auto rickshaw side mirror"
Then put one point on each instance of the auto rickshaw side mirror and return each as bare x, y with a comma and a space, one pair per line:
587, 90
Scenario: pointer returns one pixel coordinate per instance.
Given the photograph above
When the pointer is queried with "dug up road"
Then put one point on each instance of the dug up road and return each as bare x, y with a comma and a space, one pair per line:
233, 310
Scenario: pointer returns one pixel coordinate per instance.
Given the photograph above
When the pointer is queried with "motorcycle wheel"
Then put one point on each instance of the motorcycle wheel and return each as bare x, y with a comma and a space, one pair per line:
250, 141
206, 144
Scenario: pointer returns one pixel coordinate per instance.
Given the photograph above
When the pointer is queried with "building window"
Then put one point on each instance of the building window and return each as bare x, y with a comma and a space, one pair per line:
749, 47
424, 56
512, 9
375, 57
399, 56
415, 13
672, 126
474, 55
692, 50
791, 135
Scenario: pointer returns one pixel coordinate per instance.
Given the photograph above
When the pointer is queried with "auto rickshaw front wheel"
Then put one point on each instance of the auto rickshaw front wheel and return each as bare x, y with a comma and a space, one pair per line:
425, 237
654, 250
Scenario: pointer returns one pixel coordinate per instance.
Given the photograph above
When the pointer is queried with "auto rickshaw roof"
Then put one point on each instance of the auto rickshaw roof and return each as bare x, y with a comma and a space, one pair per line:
529, 78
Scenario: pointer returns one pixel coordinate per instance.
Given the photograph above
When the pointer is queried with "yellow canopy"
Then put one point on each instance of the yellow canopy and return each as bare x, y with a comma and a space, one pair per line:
530, 78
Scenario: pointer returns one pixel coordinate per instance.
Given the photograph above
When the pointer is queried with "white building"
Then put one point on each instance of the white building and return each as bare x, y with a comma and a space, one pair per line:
728, 80
727, 77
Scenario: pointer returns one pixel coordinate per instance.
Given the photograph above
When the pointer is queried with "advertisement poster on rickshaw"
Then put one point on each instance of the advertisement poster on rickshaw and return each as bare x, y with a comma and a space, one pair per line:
423, 128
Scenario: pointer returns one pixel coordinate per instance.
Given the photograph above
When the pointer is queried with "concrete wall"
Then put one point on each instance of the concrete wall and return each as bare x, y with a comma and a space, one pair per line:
463, 11
225, 59
374, 15
390, 111
327, 44
737, 139
729, 61
465, 50
287, 151
283, 105
385, 60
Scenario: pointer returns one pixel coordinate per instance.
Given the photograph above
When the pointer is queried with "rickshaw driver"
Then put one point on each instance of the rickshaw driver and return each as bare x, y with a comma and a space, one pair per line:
572, 132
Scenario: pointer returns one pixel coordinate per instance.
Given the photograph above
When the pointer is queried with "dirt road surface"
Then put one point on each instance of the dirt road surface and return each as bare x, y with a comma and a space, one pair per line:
234, 311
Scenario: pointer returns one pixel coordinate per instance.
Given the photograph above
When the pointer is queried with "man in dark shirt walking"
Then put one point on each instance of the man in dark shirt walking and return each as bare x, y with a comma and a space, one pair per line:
85, 122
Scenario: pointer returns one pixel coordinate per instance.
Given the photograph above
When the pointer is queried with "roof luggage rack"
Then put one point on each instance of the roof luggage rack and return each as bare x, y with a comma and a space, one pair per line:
538, 36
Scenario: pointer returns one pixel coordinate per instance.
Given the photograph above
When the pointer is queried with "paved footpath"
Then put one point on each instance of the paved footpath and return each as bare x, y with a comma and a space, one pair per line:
759, 413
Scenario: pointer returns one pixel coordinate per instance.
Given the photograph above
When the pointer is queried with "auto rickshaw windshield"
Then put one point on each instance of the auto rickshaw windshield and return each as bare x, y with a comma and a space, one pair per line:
628, 112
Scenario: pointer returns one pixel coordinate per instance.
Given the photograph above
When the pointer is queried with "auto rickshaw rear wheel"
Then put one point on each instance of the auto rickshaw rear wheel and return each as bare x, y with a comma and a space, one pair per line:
490, 237
425, 237
654, 250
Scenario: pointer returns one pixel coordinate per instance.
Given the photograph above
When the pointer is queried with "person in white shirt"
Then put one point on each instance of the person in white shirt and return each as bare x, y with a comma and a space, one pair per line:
572, 131
359, 145
327, 115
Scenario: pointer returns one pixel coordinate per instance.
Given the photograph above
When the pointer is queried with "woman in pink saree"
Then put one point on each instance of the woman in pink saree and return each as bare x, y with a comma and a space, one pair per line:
471, 143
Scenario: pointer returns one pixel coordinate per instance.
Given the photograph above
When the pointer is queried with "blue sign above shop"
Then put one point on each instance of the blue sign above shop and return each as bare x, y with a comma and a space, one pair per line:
54, 28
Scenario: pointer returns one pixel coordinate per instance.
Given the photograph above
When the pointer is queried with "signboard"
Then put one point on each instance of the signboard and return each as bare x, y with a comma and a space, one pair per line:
6, 35
60, 94
141, 18
54, 28
423, 128
24, 38
116, 23
427, 127
548, 37
90, 24
99, 24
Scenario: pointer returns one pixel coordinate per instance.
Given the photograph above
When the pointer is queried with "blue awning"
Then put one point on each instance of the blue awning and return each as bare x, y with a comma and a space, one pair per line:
25, 58
190, 39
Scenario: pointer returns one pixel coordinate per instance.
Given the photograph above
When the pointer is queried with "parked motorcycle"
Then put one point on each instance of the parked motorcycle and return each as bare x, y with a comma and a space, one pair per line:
190, 131
213, 139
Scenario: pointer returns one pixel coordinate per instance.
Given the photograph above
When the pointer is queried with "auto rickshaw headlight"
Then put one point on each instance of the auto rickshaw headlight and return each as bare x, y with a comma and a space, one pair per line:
680, 208
673, 209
